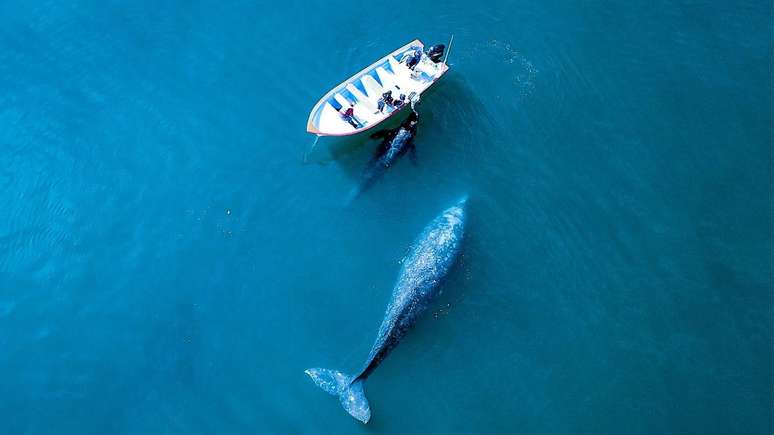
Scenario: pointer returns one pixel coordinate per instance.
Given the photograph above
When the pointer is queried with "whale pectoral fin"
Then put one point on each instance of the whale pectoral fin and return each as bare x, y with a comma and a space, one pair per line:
350, 391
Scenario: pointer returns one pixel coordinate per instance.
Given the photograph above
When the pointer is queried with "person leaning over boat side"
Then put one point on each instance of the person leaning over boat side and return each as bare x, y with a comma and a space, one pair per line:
413, 99
349, 116
399, 102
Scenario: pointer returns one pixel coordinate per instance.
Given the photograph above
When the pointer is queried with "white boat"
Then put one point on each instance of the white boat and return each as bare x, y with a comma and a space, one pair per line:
362, 92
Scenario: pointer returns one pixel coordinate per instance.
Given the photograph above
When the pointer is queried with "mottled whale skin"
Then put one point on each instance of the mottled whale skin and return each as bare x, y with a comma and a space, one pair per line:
395, 143
432, 255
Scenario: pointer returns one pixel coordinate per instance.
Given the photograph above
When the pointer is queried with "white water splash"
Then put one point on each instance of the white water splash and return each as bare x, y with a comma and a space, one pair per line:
519, 70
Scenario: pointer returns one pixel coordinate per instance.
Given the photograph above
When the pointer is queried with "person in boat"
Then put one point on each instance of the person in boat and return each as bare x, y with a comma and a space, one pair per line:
385, 100
349, 116
412, 59
400, 101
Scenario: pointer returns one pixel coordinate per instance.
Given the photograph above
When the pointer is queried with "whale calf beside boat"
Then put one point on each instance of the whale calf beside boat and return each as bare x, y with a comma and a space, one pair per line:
430, 259
395, 143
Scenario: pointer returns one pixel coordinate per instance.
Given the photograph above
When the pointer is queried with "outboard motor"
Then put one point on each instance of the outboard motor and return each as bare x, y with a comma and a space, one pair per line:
435, 53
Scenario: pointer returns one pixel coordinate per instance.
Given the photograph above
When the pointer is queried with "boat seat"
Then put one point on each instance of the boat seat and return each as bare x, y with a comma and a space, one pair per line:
395, 65
373, 89
402, 77
361, 97
328, 107
359, 109
388, 80
342, 100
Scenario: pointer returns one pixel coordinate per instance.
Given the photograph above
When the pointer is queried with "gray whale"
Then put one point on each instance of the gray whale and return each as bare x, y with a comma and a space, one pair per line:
430, 259
395, 144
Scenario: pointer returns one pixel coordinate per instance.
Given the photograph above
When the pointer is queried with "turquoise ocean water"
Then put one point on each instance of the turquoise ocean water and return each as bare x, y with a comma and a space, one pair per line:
169, 264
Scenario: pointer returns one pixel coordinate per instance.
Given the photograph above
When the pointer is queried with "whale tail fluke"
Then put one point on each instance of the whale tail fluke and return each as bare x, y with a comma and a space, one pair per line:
348, 388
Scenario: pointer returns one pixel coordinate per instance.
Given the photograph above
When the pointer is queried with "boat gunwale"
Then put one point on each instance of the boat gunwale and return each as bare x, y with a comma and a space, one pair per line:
310, 128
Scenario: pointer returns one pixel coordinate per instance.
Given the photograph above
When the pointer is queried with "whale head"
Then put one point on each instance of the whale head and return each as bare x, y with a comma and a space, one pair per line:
458, 209
454, 216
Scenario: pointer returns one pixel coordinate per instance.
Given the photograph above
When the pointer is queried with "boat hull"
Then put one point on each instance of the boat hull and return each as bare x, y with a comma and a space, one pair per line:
362, 92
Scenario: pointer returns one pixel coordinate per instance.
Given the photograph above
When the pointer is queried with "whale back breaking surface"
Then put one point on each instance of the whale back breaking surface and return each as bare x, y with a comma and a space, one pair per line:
397, 146
432, 255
